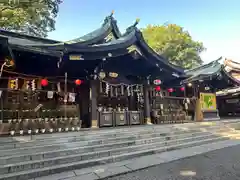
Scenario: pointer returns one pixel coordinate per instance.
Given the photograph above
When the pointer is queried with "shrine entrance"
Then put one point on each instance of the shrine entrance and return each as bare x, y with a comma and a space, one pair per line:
119, 104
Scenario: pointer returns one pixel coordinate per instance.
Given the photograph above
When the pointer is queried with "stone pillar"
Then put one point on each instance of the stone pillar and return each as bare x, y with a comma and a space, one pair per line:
147, 117
93, 102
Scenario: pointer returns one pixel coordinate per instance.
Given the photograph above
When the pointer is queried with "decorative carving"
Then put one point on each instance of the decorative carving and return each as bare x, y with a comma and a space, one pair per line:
13, 83
75, 57
121, 117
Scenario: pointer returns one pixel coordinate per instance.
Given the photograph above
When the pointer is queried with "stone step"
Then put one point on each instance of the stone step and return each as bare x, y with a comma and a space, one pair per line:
29, 152
68, 136
27, 165
27, 155
33, 173
84, 135
117, 130
101, 132
123, 130
25, 141
59, 142
65, 135
65, 138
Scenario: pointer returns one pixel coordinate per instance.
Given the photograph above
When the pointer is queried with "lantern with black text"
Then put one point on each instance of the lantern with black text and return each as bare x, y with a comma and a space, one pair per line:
157, 81
44, 82
158, 88
182, 89
78, 82
170, 90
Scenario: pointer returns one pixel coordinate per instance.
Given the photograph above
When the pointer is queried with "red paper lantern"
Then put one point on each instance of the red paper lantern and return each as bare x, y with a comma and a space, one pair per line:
157, 81
44, 82
78, 82
158, 88
182, 88
170, 90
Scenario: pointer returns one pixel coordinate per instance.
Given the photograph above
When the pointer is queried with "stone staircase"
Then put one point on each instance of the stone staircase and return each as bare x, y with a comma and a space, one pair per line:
27, 157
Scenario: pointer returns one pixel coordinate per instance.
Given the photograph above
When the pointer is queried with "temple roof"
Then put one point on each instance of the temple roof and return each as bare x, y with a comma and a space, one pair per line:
204, 71
232, 70
132, 42
231, 90
18, 40
94, 46
229, 71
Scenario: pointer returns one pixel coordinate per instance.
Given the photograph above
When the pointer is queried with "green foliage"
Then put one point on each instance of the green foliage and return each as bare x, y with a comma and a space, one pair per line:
33, 17
171, 41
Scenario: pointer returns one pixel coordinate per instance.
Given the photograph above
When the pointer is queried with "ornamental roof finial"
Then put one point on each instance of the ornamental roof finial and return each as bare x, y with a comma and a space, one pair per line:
136, 22
112, 13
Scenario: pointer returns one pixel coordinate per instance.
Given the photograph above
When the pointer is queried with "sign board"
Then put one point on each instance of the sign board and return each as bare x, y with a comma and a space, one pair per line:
208, 101
75, 57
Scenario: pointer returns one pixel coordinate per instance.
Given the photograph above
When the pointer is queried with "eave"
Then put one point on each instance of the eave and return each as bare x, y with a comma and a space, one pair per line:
205, 71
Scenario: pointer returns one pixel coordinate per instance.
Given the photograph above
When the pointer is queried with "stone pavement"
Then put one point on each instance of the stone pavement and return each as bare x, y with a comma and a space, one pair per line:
221, 164
128, 166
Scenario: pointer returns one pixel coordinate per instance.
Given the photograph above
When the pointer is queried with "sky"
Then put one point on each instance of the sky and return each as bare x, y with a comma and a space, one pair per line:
216, 23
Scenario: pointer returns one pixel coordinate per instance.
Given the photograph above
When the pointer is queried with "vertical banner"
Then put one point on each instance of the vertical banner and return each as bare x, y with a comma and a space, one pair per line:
208, 101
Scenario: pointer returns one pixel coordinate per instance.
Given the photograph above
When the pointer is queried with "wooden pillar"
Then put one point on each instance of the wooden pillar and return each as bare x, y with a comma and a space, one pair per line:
93, 102
147, 117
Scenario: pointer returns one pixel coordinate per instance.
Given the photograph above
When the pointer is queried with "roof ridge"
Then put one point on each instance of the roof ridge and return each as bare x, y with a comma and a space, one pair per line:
214, 62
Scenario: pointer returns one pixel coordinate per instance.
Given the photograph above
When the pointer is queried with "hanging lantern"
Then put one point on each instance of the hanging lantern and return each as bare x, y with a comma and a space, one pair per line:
170, 90
44, 82
102, 75
158, 88
78, 82
113, 74
182, 88
157, 81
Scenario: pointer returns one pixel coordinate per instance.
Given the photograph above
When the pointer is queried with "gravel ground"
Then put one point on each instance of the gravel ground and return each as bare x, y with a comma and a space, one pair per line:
221, 164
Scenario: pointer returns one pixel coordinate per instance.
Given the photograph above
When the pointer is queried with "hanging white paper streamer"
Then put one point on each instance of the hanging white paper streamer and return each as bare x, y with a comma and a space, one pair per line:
128, 91
107, 88
50, 94
58, 87
65, 97
71, 97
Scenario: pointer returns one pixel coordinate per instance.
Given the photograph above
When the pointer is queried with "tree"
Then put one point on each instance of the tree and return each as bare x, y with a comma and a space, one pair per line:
33, 17
174, 43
